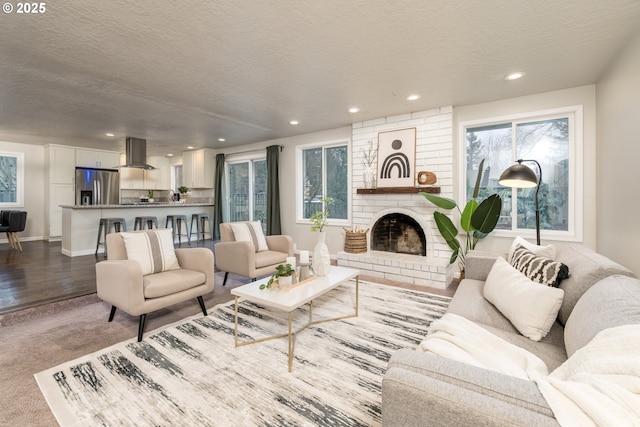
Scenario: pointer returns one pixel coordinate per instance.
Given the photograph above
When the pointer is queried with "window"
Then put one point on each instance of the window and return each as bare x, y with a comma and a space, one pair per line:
247, 190
552, 138
11, 180
323, 171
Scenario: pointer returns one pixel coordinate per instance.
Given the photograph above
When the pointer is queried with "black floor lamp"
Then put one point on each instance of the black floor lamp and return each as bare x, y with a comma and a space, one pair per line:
521, 176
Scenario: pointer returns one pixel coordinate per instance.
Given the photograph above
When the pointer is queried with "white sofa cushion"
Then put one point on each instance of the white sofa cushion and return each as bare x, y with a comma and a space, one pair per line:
250, 232
152, 249
548, 251
530, 307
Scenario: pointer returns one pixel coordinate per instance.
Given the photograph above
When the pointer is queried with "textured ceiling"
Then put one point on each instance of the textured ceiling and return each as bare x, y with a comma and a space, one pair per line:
185, 73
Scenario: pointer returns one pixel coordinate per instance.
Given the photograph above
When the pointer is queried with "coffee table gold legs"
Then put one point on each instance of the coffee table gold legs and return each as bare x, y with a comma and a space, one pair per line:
291, 338
236, 327
291, 334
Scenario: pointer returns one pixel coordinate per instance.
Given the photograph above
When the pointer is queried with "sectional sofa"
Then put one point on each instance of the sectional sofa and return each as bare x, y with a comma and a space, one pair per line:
427, 389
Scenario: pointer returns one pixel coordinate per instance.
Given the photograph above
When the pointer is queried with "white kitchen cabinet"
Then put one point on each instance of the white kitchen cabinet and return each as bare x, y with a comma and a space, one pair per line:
59, 194
61, 164
97, 159
130, 178
159, 178
198, 167
140, 179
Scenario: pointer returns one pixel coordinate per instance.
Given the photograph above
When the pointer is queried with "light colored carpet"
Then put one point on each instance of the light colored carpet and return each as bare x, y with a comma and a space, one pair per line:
190, 373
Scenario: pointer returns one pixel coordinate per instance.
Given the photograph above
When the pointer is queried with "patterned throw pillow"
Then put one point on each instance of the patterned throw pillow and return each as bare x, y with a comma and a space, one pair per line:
537, 268
153, 249
250, 232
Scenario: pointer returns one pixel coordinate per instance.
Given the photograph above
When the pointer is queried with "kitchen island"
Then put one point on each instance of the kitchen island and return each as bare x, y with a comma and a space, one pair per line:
80, 222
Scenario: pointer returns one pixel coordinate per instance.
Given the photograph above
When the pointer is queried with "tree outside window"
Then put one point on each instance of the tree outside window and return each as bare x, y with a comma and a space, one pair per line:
325, 174
546, 140
11, 179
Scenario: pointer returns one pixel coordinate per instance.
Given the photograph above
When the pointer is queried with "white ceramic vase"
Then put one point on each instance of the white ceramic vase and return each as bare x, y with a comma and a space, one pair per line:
321, 262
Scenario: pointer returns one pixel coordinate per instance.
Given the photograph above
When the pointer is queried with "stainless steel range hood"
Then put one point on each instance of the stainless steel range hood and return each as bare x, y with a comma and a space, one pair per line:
136, 154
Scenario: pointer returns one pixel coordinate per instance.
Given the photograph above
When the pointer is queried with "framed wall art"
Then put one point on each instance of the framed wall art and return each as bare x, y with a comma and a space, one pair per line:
397, 158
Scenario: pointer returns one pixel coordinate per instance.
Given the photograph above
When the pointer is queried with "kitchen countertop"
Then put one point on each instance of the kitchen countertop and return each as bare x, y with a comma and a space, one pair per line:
137, 205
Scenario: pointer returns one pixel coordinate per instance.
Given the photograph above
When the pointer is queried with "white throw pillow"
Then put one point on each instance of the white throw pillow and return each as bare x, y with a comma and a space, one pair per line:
153, 249
250, 232
548, 251
530, 307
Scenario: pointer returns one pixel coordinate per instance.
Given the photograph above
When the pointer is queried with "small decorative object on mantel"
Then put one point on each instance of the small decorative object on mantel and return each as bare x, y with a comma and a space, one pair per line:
355, 241
368, 161
427, 178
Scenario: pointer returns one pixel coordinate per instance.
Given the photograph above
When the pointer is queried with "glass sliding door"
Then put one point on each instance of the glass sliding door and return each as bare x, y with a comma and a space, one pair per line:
247, 191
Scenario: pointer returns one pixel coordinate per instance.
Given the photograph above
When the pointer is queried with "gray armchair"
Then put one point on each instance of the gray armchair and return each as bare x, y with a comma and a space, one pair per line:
242, 258
121, 283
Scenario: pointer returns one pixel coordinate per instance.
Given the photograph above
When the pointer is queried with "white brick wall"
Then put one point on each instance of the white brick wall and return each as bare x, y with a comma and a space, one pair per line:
434, 152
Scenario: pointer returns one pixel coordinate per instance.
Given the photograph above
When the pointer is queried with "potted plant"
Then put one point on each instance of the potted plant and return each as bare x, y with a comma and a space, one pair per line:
477, 220
284, 276
183, 192
150, 194
321, 261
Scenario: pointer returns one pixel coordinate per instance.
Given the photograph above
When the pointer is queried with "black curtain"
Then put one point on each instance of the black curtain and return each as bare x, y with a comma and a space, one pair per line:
273, 191
217, 201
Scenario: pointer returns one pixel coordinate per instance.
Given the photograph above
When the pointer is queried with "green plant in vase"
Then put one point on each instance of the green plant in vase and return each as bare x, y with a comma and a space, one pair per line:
183, 190
319, 219
477, 220
282, 270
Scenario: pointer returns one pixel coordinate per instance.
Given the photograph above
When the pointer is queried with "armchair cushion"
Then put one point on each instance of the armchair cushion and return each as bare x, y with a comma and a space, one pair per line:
153, 249
250, 232
171, 282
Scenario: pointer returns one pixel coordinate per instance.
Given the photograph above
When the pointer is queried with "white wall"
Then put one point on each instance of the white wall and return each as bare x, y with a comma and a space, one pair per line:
618, 170
34, 178
583, 95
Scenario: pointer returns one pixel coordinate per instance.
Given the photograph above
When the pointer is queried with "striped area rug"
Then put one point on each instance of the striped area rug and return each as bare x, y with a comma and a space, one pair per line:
190, 373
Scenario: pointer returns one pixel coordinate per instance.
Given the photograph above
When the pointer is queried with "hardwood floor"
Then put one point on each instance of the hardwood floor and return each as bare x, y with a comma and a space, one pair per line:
41, 274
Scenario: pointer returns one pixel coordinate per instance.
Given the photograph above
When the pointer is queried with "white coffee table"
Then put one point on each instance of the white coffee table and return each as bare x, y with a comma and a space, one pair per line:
288, 300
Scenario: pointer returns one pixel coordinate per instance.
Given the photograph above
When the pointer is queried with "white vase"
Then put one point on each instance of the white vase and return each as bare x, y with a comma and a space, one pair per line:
369, 177
321, 259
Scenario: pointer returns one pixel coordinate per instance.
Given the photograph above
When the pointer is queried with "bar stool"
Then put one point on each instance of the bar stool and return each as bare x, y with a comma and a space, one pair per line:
141, 221
201, 219
176, 224
118, 224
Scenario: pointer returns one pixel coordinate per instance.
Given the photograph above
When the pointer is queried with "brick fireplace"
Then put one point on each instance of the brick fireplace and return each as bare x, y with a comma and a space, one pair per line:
406, 244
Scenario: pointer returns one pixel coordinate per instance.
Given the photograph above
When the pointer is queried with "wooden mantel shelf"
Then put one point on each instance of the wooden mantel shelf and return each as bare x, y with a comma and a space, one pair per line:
399, 190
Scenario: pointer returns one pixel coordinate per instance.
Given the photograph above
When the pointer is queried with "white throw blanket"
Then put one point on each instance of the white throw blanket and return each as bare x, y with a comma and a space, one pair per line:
598, 386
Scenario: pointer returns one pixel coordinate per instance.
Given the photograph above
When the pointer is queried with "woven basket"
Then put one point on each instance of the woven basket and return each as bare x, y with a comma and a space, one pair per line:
355, 242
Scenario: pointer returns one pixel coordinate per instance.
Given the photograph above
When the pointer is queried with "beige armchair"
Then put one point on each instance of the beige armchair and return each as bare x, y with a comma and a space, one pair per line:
241, 257
121, 283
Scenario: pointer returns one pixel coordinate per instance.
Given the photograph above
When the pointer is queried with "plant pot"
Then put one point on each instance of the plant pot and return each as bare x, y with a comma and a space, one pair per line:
285, 280
321, 258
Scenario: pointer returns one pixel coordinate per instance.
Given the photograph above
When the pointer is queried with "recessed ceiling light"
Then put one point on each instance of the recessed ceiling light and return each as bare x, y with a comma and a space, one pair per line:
354, 109
413, 97
514, 76
221, 139
169, 155
190, 147
294, 122
109, 134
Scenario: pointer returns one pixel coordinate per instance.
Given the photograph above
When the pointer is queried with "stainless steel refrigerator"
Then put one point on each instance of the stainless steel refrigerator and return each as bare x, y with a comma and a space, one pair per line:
97, 186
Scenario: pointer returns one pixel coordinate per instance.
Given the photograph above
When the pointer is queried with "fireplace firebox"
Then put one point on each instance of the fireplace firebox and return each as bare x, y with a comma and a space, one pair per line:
399, 233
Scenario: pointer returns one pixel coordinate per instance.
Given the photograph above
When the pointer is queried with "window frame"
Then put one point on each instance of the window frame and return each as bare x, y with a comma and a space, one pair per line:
575, 215
338, 222
237, 159
19, 203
